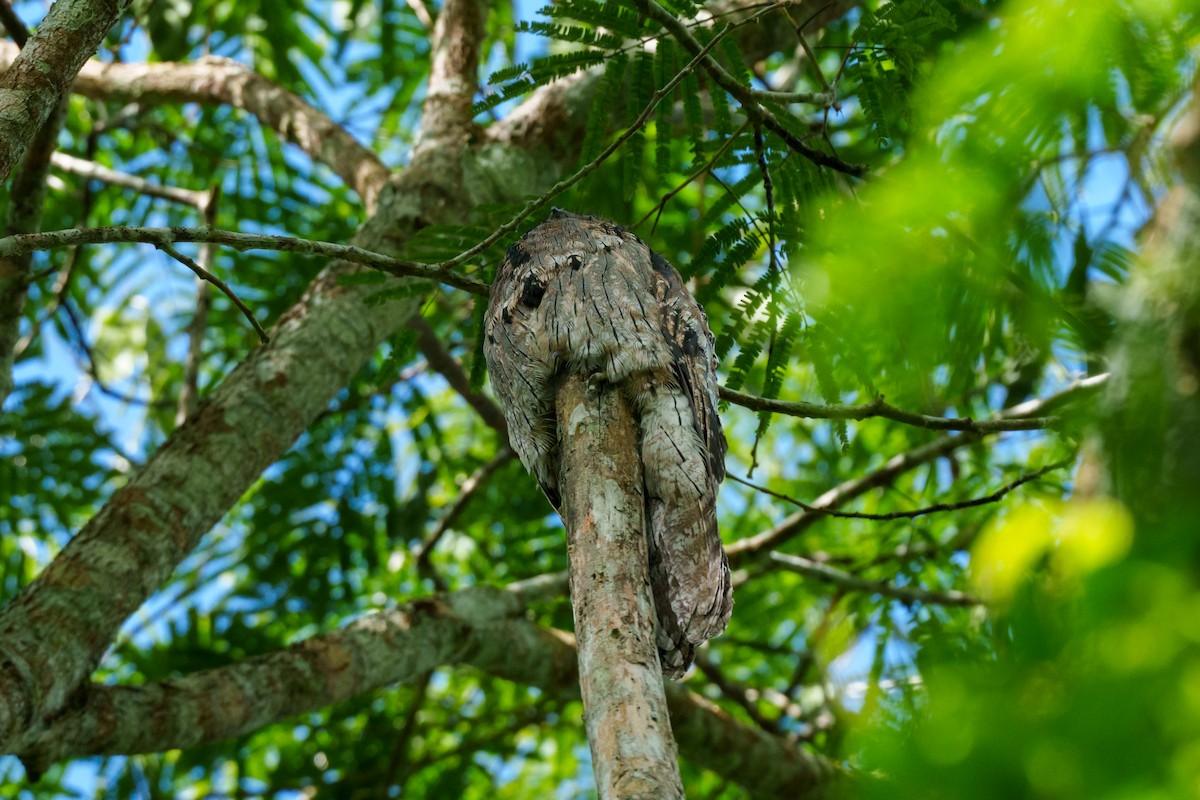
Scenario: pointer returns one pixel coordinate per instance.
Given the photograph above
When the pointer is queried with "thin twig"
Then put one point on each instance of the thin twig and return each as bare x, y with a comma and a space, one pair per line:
204, 274
1017, 418
27, 243
908, 594
919, 512
466, 493
401, 754
743, 94
189, 395
592, 165
812, 57
753, 546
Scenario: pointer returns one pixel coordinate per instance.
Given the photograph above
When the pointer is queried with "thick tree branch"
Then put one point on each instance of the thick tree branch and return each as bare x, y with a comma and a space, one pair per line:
453, 75
54, 632
628, 730
481, 627
40, 73
214, 80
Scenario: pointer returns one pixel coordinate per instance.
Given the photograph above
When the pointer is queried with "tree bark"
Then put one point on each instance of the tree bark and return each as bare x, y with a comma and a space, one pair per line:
625, 707
55, 631
216, 80
30, 89
481, 627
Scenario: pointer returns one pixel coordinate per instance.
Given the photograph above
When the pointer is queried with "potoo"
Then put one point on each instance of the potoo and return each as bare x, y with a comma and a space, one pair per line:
580, 294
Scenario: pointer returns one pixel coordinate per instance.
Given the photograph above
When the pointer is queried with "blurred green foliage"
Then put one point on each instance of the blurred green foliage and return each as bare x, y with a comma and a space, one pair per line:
991, 255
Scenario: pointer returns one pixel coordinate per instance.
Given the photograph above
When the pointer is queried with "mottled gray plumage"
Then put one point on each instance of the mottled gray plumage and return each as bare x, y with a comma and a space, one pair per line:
581, 294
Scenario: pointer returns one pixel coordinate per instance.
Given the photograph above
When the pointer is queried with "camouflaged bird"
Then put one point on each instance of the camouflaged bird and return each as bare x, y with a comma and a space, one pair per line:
581, 295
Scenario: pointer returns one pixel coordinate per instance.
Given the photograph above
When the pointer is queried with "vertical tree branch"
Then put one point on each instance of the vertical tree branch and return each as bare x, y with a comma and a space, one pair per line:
628, 729
55, 631
189, 397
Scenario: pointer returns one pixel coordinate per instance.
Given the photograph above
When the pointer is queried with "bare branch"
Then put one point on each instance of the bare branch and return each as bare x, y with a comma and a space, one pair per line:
215, 80
94, 171
745, 549
878, 408
27, 243
205, 275
628, 731
41, 72
918, 512
846, 580
793, 525
480, 626
744, 94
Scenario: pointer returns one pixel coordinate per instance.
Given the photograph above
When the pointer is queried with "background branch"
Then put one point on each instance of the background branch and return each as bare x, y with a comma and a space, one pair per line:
215, 80
479, 626
27, 243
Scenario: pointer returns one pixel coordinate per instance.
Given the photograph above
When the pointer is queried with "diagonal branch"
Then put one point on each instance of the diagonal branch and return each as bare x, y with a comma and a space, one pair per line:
751, 547
481, 627
214, 80
744, 94
41, 72
205, 275
846, 580
1012, 420
937, 508
159, 237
